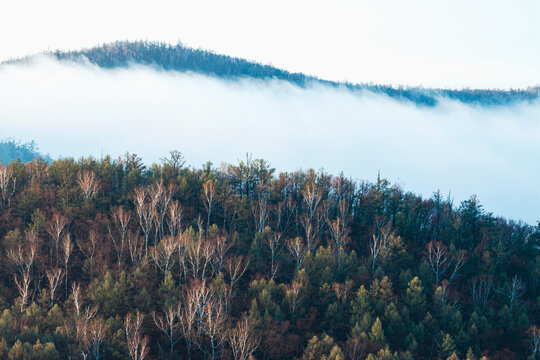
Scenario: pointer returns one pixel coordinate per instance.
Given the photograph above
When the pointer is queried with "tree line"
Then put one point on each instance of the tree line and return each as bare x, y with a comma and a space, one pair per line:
111, 259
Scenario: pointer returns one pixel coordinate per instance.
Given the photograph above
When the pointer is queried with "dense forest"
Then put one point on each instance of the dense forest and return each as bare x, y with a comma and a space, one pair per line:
112, 259
182, 58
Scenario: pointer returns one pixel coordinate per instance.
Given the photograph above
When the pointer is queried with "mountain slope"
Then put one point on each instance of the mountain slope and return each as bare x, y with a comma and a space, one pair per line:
181, 58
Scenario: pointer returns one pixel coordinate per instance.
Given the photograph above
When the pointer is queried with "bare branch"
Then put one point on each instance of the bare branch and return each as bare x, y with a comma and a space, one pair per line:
481, 290
163, 253
55, 229
136, 344
55, 279
169, 324
439, 259
242, 343
88, 183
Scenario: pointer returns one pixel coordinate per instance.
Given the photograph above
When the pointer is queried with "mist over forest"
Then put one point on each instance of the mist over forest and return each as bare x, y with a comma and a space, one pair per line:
148, 98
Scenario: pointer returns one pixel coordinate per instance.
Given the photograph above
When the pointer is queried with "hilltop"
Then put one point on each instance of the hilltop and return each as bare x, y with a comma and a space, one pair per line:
180, 58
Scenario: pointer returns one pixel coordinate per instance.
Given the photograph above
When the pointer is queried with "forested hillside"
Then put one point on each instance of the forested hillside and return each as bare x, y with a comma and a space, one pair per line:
11, 150
181, 58
109, 259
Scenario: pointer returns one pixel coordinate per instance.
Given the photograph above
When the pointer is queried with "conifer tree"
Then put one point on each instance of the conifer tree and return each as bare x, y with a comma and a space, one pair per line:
377, 334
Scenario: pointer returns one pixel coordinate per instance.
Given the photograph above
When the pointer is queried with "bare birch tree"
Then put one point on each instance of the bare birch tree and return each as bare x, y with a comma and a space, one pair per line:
174, 218
338, 228
169, 325
54, 278
312, 198
375, 246
23, 257
135, 246
7, 184
197, 260
137, 344
243, 343
311, 232
77, 301
163, 253
439, 259
160, 198
260, 213
458, 260
221, 246
67, 247
188, 316
118, 231
55, 229
235, 267
209, 194
88, 183
23, 286
292, 297
481, 287
214, 327
312, 221
275, 244
513, 291
96, 333
146, 212
298, 249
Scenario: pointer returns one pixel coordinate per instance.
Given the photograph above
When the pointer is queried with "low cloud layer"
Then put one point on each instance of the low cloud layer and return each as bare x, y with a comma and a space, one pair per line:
78, 110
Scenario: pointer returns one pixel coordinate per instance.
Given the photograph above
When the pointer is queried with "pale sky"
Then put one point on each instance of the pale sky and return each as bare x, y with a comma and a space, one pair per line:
458, 43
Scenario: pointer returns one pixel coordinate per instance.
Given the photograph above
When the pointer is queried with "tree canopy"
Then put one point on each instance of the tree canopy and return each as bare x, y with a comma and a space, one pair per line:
113, 259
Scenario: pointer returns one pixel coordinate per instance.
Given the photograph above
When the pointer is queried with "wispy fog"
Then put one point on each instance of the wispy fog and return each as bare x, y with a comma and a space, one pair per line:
78, 110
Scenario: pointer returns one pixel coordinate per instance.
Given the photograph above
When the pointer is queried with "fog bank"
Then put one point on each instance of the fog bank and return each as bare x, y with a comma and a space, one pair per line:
77, 110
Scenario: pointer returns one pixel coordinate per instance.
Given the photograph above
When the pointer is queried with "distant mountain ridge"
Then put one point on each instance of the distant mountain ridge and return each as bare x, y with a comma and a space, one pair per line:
180, 58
